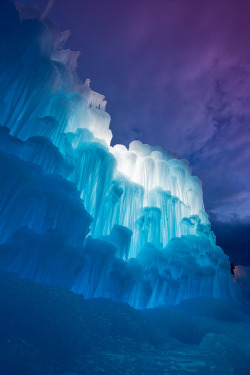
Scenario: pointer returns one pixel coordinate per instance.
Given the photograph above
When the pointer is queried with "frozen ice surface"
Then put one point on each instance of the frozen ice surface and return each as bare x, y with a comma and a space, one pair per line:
133, 220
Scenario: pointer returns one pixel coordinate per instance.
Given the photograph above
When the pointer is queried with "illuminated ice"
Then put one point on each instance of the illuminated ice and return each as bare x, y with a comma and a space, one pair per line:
132, 218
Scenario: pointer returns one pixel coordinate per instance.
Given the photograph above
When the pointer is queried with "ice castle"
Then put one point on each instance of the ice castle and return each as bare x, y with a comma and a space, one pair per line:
102, 220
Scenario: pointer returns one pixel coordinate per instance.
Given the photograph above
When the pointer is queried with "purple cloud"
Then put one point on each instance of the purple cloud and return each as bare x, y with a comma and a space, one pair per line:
175, 73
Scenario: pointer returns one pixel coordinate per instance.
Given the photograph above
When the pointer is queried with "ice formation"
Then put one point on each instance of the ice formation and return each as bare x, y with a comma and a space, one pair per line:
127, 224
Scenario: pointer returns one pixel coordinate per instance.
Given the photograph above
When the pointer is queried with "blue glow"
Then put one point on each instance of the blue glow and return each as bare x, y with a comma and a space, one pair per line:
127, 224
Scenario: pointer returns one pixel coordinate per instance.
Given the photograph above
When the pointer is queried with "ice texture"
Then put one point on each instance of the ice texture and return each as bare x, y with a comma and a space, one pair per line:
107, 221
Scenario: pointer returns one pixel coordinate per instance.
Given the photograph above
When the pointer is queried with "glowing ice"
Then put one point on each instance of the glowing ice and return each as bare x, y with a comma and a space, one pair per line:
151, 239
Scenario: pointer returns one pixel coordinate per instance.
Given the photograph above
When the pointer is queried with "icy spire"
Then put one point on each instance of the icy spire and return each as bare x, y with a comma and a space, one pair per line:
47, 10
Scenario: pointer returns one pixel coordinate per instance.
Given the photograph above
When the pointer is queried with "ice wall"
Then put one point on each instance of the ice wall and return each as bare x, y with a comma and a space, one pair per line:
149, 239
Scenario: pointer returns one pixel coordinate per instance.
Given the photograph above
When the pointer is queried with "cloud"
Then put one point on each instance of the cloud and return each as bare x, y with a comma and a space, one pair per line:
175, 73
233, 237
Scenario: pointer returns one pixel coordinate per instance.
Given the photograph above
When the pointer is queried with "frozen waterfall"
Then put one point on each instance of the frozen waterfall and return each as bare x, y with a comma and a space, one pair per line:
127, 224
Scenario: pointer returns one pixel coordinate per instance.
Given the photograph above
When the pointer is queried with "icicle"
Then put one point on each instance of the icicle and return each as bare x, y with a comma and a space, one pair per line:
47, 10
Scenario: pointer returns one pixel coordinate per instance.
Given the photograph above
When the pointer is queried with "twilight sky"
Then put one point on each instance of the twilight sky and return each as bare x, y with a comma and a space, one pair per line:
176, 73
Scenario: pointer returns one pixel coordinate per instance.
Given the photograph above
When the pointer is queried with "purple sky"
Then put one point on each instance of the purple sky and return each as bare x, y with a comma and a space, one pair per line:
176, 73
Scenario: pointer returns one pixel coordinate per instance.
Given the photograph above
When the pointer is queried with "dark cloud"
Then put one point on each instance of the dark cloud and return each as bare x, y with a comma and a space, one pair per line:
234, 238
175, 73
